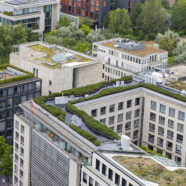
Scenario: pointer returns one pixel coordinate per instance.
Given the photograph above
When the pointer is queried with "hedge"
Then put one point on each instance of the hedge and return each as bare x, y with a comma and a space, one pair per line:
93, 123
86, 135
19, 78
93, 87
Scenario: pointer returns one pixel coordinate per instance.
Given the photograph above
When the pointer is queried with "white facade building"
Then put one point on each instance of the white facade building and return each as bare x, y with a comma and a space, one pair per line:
59, 68
126, 57
39, 15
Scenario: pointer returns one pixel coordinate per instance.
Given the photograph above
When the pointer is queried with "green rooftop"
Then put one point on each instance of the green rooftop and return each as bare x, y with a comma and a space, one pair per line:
148, 169
50, 52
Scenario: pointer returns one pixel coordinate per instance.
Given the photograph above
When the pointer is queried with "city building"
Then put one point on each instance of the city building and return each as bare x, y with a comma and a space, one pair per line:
52, 150
40, 15
127, 57
16, 86
95, 10
58, 67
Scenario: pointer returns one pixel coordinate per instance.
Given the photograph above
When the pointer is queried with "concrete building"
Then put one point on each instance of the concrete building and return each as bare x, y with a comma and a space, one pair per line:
16, 87
58, 67
126, 57
49, 152
39, 15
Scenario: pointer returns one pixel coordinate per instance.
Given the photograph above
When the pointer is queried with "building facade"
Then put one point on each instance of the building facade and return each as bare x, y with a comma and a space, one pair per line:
12, 94
59, 68
126, 57
41, 16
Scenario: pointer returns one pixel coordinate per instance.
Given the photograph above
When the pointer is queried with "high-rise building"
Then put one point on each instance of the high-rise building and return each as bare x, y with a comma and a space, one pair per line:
56, 143
16, 86
39, 15
58, 67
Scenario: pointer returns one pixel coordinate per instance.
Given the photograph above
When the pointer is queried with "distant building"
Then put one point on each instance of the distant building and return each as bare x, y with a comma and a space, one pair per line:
58, 67
40, 15
48, 152
124, 56
15, 87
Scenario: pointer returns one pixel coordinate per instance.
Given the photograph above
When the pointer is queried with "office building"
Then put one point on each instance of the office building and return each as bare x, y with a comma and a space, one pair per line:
16, 86
39, 15
49, 151
58, 67
126, 57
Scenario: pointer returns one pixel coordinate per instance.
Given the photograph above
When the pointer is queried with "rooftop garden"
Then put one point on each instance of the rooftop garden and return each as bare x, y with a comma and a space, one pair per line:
50, 52
150, 170
179, 85
16, 78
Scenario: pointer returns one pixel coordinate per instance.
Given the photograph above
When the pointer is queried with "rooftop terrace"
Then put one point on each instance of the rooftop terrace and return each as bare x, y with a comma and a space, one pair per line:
148, 169
140, 53
55, 56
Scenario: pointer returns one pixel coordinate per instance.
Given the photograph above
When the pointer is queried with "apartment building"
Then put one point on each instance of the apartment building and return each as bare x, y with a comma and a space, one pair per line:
126, 57
40, 15
16, 87
58, 67
49, 152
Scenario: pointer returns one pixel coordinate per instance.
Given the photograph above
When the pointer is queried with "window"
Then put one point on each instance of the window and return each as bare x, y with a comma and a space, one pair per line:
151, 138
136, 123
17, 136
129, 103
180, 127
151, 127
104, 169
169, 145
2, 104
120, 106
110, 174
160, 142
16, 179
111, 120
103, 110
181, 115
170, 123
168, 155
94, 113
22, 129
21, 174
120, 117
135, 134
22, 151
162, 108
152, 116
128, 115
111, 108
128, 125
16, 169
170, 134
16, 147
17, 125
97, 164
103, 121
178, 149
137, 113
171, 112
137, 101
16, 158
84, 177
22, 140
178, 159
179, 138
97, 184
124, 183
117, 179
50, 82
119, 128
2, 115
153, 105
21, 162
161, 131
162, 120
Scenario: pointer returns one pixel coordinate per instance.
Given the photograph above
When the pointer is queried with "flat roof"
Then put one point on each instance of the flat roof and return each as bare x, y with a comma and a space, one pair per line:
140, 53
149, 169
55, 57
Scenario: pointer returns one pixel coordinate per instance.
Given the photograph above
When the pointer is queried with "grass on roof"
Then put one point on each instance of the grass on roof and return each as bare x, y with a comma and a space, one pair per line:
150, 170
180, 85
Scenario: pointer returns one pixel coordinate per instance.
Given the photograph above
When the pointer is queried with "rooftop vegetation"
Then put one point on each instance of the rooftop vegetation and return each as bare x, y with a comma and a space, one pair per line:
150, 170
17, 78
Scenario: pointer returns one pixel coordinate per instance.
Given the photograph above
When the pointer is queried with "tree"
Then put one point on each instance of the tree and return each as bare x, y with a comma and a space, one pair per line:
83, 47
106, 21
95, 35
86, 21
31, 36
167, 44
180, 52
179, 17
63, 21
86, 29
2, 145
153, 18
165, 4
119, 21
18, 34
